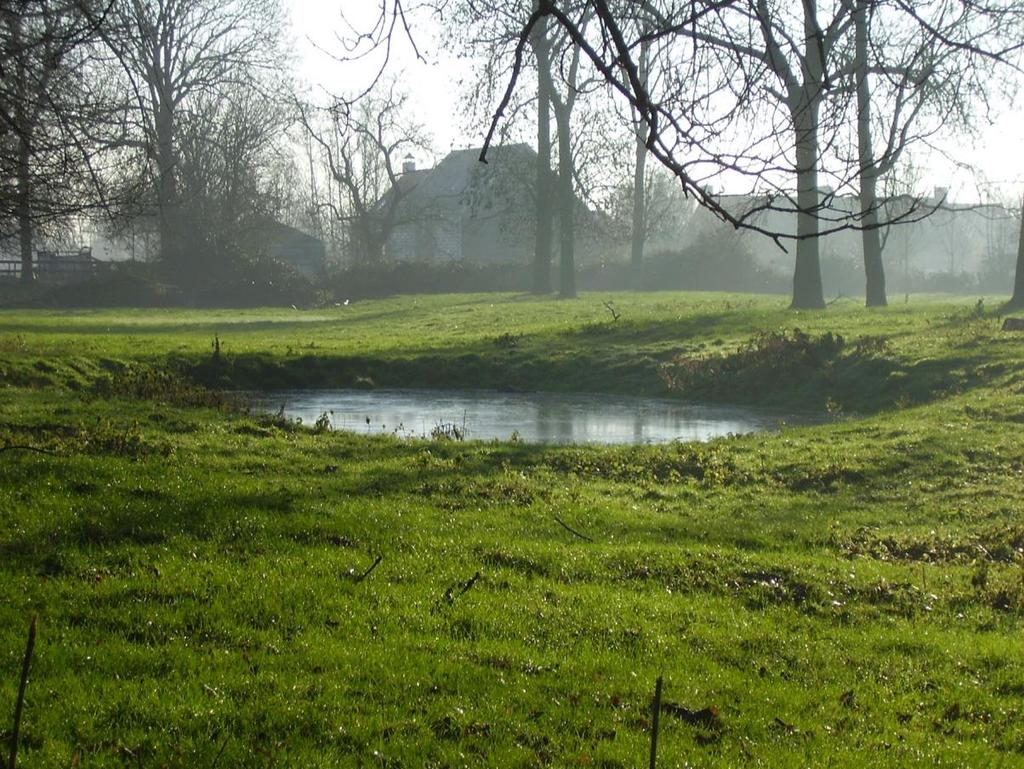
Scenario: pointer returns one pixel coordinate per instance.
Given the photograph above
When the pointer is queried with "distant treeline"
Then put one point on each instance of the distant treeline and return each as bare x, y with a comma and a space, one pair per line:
712, 265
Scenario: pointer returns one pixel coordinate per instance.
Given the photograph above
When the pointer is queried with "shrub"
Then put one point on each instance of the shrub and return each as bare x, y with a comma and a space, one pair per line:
258, 282
767, 355
715, 261
793, 367
124, 285
139, 381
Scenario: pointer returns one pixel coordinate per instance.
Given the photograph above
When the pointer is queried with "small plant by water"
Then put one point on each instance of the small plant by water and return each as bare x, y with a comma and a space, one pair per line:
448, 431
322, 423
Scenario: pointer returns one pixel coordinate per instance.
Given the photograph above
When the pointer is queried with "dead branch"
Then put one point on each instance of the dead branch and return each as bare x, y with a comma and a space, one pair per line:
20, 703
369, 571
571, 530
18, 447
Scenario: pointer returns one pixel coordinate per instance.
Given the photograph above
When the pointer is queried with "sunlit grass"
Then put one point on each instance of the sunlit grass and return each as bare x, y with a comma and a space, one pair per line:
845, 594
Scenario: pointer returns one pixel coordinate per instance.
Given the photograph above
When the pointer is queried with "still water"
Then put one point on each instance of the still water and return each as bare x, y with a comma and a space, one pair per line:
554, 418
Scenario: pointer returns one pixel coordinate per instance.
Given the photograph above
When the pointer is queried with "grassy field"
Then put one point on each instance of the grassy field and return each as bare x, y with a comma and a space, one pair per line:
850, 594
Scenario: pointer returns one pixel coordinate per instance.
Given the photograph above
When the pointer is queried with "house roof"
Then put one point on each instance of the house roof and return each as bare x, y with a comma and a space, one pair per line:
460, 169
271, 228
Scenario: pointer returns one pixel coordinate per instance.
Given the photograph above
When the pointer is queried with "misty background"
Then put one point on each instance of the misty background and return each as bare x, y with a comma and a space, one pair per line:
266, 152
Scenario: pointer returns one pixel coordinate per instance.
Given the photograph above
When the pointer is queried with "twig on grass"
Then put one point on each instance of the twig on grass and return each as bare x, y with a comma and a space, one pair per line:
571, 530
706, 717
369, 571
220, 752
19, 447
451, 596
655, 720
20, 703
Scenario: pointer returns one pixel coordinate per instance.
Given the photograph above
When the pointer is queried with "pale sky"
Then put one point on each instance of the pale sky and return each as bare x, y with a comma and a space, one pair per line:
316, 28
998, 154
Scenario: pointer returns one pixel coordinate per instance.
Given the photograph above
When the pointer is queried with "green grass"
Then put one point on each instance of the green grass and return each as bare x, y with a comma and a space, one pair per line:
849, 594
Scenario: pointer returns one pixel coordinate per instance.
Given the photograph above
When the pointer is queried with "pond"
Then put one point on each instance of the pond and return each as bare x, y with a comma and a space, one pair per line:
551, 418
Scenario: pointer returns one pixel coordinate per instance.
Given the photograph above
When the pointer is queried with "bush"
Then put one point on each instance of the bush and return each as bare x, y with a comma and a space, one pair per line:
715, 261
792, 367
124, 285
241, 283
767, 357
258, 282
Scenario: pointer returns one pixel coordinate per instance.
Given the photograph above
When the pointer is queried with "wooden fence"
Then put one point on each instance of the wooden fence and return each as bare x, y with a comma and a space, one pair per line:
55, 268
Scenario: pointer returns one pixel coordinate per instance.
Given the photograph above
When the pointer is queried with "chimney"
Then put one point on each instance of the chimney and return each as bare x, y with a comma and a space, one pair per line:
408, 164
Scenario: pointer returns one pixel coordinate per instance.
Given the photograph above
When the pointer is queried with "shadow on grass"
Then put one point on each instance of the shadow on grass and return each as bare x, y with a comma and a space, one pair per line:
109, 514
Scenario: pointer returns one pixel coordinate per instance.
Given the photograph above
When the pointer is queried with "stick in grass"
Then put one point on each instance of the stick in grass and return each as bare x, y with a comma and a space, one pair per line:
19, 447
571, 530
19, 705
655, 718
369, 571
450, 595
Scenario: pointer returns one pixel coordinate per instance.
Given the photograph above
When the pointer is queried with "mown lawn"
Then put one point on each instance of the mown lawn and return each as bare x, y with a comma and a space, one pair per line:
850, 594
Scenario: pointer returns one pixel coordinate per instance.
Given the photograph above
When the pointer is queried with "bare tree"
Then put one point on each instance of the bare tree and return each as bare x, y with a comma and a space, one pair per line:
1017, 299
45, 145
640, 197
174, 52
363, 146
564, 95
753, 57
231, 163
761, 92
911, 83
544, 211
795, 64
487, 31
985, 32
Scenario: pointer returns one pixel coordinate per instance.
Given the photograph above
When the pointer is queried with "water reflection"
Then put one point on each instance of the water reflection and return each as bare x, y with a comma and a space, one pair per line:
534, 417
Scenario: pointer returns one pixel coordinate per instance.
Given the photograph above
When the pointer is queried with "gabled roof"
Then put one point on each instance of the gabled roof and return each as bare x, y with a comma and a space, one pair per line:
453, 177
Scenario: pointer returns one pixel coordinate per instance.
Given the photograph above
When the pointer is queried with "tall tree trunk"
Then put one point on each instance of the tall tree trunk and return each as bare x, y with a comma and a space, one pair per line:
639, 230
871, 238
1017, 300
23, 130
566, 206
807, 288
544, 212
804, 105
24, 208
171, 247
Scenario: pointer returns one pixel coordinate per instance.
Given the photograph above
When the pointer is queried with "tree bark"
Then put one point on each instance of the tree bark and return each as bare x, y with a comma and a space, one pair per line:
639, 230
544, 212
874, 269
171, 252
566, 206
23, 129
807, 289
804, 106
24, 207
1017, 300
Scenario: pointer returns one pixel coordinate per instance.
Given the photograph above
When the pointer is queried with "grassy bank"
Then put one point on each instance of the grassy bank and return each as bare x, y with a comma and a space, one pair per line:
929, 347
846, 594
